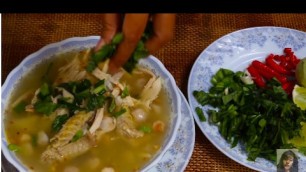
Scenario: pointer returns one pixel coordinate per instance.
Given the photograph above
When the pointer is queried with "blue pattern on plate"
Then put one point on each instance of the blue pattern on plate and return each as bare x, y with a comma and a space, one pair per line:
177, 156
235, 51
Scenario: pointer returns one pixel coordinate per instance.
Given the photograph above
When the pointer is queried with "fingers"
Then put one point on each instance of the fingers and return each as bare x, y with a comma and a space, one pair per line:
163, 27
111, 24
133, 28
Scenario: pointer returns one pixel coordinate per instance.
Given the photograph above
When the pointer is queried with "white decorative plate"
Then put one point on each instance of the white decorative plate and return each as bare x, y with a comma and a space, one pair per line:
235, 51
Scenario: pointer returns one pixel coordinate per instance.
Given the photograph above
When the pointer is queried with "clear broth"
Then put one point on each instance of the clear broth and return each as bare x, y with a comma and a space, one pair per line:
114, 151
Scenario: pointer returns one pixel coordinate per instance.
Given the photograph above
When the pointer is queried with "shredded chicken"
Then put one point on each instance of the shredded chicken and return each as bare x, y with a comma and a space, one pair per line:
97, 122
126, 126
151, 91
62, 146
73, 71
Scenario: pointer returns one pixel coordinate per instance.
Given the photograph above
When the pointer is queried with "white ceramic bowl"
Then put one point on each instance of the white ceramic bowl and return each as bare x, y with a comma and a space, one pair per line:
79, 43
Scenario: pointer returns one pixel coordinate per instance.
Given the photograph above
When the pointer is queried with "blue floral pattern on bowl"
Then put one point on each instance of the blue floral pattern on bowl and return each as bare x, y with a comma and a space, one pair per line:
177, 156
236, 51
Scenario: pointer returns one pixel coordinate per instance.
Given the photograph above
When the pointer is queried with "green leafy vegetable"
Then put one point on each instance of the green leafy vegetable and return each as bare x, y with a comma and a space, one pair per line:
146, 129
20, 107
200, 114
44, 90
105, 52
262, 119
125, 92
118, 113
95, 102
77, 136
13, 147
45, 107
112, 106
91, 65
99, 88
108, 50
117, 39
59, 122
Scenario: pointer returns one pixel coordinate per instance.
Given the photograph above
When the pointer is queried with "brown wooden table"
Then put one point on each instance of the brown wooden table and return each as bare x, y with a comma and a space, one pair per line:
23, 34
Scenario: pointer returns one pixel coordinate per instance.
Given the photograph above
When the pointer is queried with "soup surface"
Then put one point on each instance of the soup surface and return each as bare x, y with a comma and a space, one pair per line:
62, 118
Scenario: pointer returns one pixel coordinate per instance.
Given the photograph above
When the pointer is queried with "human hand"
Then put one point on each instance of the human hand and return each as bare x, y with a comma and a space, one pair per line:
132, 26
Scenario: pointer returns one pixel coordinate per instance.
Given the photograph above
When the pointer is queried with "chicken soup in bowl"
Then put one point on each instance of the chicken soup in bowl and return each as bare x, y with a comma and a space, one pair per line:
57, 116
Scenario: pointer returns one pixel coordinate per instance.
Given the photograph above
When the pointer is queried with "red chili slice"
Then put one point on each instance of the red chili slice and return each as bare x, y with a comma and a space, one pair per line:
259, 81
288, 87
271, 63
267, 72
287, 50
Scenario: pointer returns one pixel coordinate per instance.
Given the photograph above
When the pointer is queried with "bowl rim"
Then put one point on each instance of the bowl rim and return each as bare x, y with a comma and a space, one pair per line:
16, 162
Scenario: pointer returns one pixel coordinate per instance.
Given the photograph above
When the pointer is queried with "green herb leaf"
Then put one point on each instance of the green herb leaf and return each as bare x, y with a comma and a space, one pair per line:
77, 136
125, 92
146, 129
99, 87
13, 147
117, 38
44, 90
59, 122
112, 106
200, 114
20, 107
45, 107
95, 102
105, 52
91, 66
118, 113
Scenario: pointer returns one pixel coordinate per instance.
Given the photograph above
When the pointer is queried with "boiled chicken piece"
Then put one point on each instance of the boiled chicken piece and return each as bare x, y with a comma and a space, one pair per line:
128, 101
74, 124
29, 108
68, 151
116, 91
97, 122
151, 91
109, 80
74, 70
126, 126
100, 74
61, 146
104, 66
34, 100
61, 111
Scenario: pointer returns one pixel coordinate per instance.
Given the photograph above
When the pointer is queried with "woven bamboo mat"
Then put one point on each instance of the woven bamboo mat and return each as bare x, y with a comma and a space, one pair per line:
23, 34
